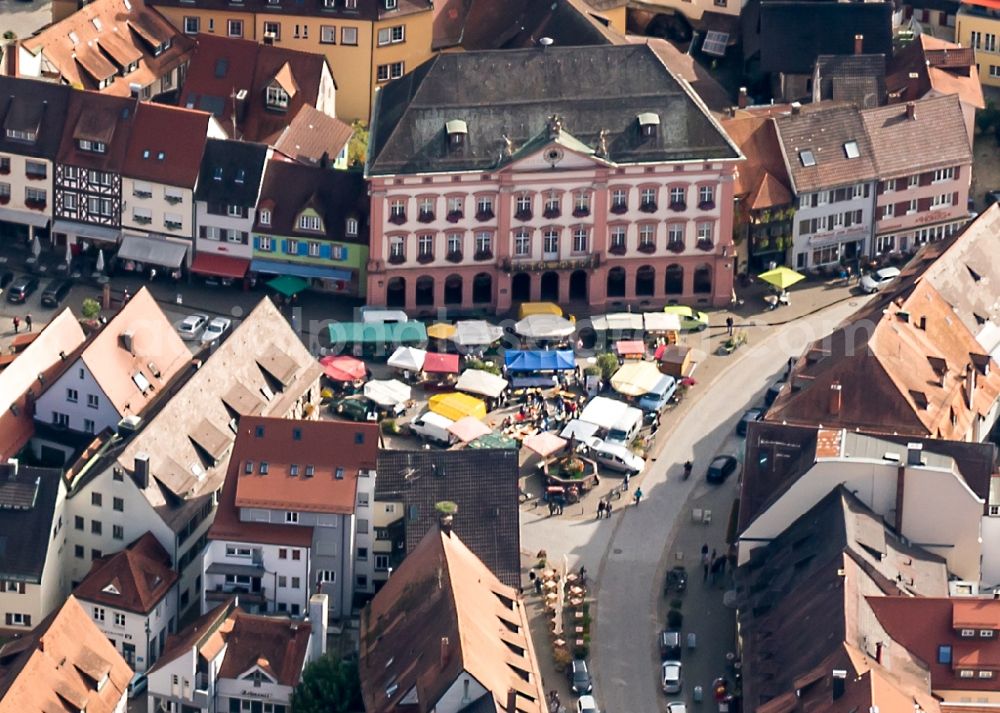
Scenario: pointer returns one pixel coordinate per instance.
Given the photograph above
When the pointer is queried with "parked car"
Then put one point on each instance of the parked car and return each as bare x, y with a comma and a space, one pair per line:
691, 319
586, 704
676, 707
772, 392
721, 468
991, 198
670, 645
670, 677
355, 408
216, 328
55, 292
21, 289
617, 457
137, 685
875, 281
579, 678
751, 414
191, 326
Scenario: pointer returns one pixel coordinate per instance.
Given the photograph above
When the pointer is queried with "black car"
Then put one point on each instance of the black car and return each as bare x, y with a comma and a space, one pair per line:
772, 392
6, 277
991, 198
55, 292
753, 414
21, 288
579, 678
670, 645
721, 468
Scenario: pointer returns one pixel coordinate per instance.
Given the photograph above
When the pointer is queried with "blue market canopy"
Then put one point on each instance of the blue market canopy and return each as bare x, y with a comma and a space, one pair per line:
540, 360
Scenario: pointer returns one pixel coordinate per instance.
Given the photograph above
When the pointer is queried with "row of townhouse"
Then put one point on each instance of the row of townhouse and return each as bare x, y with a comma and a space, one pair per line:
164, 189
830, 184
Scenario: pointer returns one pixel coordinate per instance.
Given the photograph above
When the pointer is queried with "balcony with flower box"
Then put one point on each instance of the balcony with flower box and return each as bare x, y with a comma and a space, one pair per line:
619, 249
36, 204
706, 205
647, 248
425, 258
482, 215
619, 208
35, 175
397, 258
173, 224
173, 200
706, 244
454, 216
648, 206
551, 212
482, 255
454, 256
425, 216
4, 198
675, 246
581, 212
524, 214
142, 219
678, 206
397, 218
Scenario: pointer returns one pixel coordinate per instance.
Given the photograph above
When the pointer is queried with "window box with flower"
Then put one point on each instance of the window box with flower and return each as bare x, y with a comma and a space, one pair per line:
648, 206
581, 212
454, 256
619, 208
397, 259
675, 246
397, 218
524, 214
454, 216
551, 212
678, 206
618, 249
706, 205
484, 214
483, 255
647, 248
4, 167
4, 198
35, 204
425, 258
426, 216
705, 244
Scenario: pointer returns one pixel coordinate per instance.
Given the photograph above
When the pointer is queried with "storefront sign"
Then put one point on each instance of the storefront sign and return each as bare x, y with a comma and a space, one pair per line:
544, 265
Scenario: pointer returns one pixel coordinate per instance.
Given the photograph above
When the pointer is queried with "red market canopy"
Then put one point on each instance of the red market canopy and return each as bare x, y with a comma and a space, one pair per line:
468, 429
544, 444
343, 368
435, 363
630, 347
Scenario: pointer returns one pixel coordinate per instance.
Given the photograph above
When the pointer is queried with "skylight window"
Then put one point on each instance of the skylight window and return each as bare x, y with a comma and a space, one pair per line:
160, 156
140, 380
851, 149
97, 24
217, 174
807, 158
145, 154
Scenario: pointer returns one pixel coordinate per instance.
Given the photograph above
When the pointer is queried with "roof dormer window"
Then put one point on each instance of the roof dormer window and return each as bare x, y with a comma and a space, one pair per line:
851, 149
311, 223
352, 227
92, 146
457, 130
391, 4
648, 124
276, 98
241, 175
74, 38
217, 173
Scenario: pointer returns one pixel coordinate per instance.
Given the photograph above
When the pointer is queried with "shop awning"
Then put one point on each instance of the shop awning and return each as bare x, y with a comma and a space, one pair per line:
541, 360
220, 265
468, 429
494, 440
617, 322
152, 251
407, 359
90, 232
274, 267
457, 406
435, 363
24, 217
477, 381
378, 333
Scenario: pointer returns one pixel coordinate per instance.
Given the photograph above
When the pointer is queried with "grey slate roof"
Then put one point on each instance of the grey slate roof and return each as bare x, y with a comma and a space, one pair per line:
27, 507
231, 157
513, 93
484, 485
855, 78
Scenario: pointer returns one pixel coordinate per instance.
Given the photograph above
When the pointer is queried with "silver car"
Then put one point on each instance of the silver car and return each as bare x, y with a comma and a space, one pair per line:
875, 281
670, 676
191, 326
215, 329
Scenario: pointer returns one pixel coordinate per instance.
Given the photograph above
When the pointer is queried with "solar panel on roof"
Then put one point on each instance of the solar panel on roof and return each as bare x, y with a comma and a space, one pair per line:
715, 43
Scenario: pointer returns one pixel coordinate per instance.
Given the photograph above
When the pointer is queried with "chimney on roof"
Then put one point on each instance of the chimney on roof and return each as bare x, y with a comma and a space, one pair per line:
743, 99
796, 108
318, 619
12, 59
859, 44
127, 337
839, 681
445, 651
836, 398
12, 466
141, 470
911, 111
922, 322
511, 706
970, 385
914, 453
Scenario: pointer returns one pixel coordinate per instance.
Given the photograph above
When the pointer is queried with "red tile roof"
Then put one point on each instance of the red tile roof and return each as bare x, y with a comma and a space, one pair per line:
155, 154
311, 135
107, 118
936, 65
899, 143
135, 579
920, 625
62, 335
761, 180
59, 667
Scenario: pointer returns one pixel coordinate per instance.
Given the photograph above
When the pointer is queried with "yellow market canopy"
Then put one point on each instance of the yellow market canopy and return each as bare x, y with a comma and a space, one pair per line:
636, 378
457, 406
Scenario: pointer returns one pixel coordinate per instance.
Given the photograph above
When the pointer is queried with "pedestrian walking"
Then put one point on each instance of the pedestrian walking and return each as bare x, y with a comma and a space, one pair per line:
27, 321
638, 496
17, 324
729, 326
625, 486
600, 509
706, 563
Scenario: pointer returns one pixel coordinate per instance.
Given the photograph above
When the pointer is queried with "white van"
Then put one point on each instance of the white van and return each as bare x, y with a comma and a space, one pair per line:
626, 428
137, 685
616, 457
430, 426
659, 396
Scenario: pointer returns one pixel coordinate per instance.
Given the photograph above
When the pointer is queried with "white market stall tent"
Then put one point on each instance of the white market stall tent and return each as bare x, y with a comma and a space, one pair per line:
407, 359
604, 412
483, 383
476, 333
388, 393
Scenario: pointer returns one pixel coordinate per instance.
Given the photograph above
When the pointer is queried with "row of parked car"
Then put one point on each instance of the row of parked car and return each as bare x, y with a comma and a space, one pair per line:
19, 289
199, 326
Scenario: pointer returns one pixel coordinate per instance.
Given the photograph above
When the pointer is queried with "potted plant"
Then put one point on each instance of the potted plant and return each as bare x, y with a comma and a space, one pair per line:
454, 216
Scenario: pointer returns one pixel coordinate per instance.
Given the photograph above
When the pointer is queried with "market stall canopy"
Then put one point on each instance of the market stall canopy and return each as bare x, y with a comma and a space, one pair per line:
388, 393
540, 360
544, 326
494, 440
661, 322
604, 412
378, 333
477, 381
407, 359
630, 347
781, 277
476, 333
457, 406
343, 368
579, 430
617, 322
544, 444
468, 429
636, 378
288, 285
441, 330
435, 363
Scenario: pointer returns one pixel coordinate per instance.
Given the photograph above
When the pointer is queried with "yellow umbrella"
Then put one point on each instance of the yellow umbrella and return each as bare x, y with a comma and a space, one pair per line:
781, 277
457, 406
441, 330
636, 378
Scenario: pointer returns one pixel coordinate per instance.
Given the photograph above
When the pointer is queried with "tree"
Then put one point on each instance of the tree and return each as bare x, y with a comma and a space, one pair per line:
357, 149
608, 364
328, 685
91, 308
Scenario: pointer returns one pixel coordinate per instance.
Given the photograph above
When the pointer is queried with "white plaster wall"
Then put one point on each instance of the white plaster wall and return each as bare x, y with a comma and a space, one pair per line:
54, 399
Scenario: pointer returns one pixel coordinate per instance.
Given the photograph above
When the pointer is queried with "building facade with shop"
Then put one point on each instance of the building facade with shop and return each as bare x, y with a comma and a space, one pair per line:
502, 190
33, 114
312, 222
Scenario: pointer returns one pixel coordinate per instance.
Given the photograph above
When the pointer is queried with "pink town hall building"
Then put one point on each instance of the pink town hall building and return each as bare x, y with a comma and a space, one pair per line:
579, 175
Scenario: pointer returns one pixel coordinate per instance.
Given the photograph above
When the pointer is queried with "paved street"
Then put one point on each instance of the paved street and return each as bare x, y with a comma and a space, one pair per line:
628, 555
24, 17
